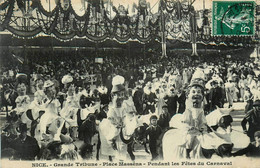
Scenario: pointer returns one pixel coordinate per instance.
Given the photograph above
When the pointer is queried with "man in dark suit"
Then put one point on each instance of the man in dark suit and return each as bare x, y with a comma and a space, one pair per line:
215, 96
138, 98
171, 101
26, 146
252, 117
164, 118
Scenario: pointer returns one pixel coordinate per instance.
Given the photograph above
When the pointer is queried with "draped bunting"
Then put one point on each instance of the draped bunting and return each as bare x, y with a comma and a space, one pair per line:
98, 20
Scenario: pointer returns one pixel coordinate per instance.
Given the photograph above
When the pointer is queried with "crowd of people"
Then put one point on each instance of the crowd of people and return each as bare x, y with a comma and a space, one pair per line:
55, 98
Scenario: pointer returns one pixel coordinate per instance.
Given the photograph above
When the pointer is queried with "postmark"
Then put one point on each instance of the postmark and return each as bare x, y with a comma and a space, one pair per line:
233, 18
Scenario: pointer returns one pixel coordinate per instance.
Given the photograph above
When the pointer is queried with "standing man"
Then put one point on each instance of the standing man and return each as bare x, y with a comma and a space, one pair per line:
252, 117
230, 91
215, 96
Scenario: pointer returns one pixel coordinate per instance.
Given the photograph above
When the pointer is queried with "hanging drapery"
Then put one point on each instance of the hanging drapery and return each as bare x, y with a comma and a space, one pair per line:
99, 20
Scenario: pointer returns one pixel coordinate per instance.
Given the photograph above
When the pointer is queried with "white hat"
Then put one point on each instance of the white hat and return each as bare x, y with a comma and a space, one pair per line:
117, 83
66, 79
48, 83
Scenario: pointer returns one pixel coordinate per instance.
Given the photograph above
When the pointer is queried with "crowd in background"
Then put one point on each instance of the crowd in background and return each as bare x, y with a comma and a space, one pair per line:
153, 82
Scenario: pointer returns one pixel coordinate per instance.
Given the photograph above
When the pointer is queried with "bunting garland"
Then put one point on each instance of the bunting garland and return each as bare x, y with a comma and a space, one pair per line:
103, 20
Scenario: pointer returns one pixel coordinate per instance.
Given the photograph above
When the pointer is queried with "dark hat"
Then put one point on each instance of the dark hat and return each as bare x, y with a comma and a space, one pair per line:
21, 78
22, 128
257, 134
256, 103
197, 82
153, 117
118, 88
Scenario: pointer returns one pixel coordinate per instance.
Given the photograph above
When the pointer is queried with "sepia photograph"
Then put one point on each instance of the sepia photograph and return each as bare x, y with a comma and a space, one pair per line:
130, 83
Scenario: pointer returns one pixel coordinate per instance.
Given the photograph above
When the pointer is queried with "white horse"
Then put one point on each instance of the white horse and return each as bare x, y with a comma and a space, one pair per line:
218, 141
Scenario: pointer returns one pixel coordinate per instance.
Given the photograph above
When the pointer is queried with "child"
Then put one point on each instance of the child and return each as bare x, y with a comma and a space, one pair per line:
164, 118
153, 131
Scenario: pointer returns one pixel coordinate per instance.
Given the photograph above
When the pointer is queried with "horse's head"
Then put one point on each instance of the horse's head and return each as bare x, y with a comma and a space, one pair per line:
220, 117
225, 121
224, 150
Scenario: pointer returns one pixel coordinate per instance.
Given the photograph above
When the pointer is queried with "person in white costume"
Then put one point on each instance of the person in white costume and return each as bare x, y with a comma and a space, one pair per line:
52, 108
111, 143
194, 121
230, 91
70, 106
23, 100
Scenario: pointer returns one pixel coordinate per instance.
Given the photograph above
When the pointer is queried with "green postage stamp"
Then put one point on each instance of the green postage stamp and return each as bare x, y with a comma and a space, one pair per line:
233, 18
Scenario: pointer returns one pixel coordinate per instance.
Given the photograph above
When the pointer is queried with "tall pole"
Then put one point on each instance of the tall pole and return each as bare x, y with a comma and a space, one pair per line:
163, 35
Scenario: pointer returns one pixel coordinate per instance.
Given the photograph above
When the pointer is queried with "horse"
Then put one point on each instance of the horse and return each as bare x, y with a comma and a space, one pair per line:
87, 130
174, 149
138, 137
172, 145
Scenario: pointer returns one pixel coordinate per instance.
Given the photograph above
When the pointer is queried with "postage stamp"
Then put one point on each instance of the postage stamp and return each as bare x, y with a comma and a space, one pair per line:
233, 18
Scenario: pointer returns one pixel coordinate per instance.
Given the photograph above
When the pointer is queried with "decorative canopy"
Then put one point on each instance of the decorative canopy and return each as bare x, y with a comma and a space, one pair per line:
124, 20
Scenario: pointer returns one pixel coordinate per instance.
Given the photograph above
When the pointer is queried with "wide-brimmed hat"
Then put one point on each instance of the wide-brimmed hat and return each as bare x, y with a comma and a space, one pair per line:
256, 103
48, 83
66, 79
22, 128
21, 78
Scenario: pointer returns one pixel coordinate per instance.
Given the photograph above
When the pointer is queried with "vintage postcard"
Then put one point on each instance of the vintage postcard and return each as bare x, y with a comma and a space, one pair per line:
129, 83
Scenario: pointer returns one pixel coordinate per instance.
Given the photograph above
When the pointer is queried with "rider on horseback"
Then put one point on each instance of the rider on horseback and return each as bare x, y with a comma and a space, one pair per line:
194, 119
110, 127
